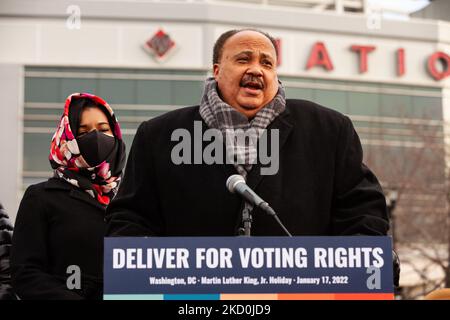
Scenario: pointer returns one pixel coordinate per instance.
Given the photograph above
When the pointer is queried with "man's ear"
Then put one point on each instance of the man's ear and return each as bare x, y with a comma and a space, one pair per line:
216, 68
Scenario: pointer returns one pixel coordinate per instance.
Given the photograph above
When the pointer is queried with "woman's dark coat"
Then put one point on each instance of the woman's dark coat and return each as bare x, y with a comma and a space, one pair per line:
58, 226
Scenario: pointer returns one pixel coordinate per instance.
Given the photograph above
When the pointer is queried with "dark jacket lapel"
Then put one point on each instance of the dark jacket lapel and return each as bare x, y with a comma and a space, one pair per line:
284, 124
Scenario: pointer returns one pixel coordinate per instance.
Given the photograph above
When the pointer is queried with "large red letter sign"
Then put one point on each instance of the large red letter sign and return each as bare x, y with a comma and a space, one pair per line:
444, 59
400, 62
363, 51
319, 57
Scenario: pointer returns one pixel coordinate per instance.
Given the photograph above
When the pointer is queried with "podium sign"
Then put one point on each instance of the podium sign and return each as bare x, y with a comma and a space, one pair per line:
356, 267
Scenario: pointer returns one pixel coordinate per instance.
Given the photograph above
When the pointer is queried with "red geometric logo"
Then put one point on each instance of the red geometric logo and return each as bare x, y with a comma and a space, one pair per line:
160, 44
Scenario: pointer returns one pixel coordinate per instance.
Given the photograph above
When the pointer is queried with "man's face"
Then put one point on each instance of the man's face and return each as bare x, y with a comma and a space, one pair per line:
246, 73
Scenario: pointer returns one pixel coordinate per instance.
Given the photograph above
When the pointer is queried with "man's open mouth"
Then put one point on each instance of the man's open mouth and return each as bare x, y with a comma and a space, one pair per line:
253, 85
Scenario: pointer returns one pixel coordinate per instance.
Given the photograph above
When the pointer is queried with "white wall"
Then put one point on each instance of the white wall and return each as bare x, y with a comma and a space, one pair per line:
11, 135
113, 32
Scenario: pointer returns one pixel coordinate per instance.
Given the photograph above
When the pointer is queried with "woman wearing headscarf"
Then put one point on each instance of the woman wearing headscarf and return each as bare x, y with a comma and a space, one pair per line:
57, 250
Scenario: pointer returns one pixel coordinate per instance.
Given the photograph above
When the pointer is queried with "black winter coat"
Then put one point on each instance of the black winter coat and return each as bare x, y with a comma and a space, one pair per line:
6, 230
322, 187
57, 225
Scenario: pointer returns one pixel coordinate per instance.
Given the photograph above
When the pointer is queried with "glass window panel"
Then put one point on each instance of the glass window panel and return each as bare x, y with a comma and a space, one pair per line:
69, 86
54, 112
299, 93
394, 105
117, 91
296, 79
138, 113
36, 149
130, 124
428, 107
42, 89
186, 93
360, 103
331, 99
41, 124
153, 92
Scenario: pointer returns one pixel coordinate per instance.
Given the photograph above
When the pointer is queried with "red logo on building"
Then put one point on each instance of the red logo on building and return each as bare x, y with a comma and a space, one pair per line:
160, 44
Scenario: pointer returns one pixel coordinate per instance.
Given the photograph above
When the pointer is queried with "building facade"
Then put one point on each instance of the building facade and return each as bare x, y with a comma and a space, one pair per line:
148, 57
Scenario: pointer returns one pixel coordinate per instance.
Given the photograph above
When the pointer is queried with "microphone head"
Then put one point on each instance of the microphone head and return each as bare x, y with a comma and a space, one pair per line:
233, 180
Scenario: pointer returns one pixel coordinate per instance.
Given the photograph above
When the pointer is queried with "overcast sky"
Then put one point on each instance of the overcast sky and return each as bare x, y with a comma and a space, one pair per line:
407, 6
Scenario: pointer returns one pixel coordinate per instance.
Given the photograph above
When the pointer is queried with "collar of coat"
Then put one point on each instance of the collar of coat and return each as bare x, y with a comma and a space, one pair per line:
284, 123
74, 192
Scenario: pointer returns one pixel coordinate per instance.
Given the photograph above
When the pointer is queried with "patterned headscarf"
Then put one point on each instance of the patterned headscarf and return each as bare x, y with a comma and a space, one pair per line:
100, 182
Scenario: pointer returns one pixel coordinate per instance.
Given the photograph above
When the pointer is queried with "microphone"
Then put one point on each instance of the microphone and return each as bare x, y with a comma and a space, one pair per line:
236, 184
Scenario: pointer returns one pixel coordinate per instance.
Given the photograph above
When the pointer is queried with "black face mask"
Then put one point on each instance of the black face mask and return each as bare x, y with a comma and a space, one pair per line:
95, 147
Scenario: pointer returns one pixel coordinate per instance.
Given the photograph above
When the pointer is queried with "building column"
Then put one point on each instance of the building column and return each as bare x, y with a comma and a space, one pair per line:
11, 136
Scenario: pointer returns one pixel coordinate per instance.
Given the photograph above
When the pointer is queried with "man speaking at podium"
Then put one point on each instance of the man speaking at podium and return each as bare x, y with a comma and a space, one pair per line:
314, 178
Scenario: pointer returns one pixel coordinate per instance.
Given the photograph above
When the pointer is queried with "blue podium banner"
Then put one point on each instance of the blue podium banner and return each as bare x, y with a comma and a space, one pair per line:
219, 267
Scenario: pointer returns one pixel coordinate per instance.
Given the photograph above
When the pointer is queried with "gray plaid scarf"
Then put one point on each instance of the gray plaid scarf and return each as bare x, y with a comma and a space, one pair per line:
219, 115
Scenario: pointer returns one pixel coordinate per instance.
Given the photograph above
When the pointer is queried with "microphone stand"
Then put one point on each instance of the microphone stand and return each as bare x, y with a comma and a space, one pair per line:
247, 220
237, 182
